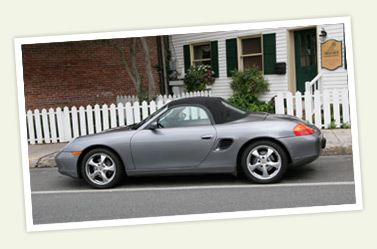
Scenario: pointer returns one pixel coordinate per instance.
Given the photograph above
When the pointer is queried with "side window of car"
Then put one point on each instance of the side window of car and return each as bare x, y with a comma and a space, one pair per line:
184, 116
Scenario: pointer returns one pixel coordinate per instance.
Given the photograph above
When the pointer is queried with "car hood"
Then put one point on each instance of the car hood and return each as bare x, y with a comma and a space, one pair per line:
121, 128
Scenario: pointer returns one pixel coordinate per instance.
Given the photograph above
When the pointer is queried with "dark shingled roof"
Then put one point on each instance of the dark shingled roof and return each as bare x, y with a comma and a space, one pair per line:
220, 112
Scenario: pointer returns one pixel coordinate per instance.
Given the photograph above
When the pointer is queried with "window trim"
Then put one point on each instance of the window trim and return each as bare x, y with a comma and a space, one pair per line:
241, 56
192, 45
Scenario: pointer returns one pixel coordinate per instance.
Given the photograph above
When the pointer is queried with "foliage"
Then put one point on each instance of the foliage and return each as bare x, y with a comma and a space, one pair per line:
332, 125
247, 85
346, 125
251, 103
198, 78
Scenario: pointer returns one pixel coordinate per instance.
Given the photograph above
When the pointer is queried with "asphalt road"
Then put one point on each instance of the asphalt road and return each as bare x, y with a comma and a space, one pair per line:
59, 199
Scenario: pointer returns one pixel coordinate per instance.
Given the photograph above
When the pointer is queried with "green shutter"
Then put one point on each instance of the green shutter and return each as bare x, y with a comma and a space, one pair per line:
269, 53
215, 58
186, 55
231, 56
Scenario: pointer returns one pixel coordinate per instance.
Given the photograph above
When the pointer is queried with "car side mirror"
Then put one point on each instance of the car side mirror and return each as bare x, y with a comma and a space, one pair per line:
153, 125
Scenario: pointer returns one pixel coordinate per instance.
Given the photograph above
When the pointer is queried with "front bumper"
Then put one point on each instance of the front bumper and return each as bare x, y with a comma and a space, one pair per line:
67, 164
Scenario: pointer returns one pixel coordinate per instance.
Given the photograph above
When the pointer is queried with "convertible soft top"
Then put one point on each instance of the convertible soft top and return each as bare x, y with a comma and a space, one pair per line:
221, 110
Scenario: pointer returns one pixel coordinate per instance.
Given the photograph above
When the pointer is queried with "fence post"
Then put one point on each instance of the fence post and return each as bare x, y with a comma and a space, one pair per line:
38, 127
289, 103
67, 124
113, 118
97, 117
326, 108
159, 104
75, 124
152, 107
136, 108
145, 109
30, 123
129, 116
308, 107
82, 121
317, 109
121, 114
345, 106
105, 117
51, 114
336, 108
59, 117
46, 131
279, 104
298, 104
89, 112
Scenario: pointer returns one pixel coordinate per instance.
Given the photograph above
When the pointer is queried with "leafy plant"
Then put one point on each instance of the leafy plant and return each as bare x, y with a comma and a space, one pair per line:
346, 125
332, 125
247, 85
198, 78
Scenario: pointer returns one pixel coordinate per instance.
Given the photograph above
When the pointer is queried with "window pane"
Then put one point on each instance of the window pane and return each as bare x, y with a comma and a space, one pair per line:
252, 61
202, 52
184, 116
251, 45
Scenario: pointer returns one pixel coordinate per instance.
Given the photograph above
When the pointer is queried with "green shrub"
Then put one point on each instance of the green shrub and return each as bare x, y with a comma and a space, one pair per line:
332, 125
247, 85
198, 78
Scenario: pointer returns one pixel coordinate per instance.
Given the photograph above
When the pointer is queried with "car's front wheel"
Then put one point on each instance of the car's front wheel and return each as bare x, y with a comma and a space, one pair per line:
264, 162
101, 168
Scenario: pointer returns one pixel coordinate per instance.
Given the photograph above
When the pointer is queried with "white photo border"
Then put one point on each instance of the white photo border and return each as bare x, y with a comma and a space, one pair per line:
18, 42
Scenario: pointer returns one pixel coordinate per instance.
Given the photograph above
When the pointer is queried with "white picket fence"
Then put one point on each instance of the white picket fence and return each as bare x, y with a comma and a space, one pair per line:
63, 124
320, 109
132, 99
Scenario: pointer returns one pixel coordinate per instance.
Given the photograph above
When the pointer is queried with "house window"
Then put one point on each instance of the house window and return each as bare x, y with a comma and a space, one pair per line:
251, 52
201, 54
204, 53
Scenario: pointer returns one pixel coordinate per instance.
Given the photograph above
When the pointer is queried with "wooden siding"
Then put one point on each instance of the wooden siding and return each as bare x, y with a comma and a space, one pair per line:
278, 83
338, 78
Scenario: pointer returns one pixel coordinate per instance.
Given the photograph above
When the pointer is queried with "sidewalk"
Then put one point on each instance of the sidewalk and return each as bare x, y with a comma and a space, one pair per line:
339, 142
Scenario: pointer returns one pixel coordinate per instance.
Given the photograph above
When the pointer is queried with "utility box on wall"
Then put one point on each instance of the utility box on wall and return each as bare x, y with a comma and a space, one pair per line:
280, 67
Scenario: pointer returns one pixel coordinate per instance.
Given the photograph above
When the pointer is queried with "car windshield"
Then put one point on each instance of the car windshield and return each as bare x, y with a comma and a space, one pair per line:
138, 125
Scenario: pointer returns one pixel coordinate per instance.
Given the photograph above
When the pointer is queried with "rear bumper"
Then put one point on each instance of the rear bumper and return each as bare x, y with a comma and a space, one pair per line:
304, 149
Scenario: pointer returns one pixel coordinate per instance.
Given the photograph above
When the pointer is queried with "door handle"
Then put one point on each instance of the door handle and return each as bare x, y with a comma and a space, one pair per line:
207, 136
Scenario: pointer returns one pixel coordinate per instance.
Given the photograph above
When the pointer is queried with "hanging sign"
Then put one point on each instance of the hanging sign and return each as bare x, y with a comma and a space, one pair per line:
331, 54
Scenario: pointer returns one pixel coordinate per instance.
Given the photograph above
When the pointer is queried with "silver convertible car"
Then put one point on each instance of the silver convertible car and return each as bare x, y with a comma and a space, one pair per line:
194, 136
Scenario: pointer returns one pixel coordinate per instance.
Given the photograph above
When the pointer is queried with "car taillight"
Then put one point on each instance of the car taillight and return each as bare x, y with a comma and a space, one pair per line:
301, 130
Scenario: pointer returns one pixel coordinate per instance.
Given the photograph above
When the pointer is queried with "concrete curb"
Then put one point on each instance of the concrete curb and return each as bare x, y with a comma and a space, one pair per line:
337, 150
47, 161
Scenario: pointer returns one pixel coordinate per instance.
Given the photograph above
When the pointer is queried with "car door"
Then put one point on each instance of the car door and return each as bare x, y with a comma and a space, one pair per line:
184, 137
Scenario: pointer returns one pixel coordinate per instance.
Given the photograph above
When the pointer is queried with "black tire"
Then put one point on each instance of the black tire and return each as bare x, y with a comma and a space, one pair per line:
101, 168
264, 162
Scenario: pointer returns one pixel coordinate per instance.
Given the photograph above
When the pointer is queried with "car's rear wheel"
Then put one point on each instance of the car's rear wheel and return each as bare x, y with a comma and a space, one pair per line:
264, 162
101, 168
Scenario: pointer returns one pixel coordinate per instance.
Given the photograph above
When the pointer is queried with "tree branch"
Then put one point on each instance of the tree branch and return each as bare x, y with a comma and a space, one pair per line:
148, 67
124, 61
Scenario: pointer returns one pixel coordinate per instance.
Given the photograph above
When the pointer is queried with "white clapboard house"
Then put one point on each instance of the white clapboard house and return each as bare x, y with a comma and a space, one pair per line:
290, 58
